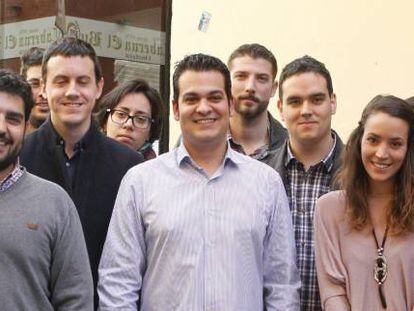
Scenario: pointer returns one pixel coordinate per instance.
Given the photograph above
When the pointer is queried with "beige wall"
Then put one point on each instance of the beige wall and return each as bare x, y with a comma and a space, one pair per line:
368, 46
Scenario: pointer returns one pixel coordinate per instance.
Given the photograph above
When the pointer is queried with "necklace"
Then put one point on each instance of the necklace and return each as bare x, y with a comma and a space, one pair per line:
380, 266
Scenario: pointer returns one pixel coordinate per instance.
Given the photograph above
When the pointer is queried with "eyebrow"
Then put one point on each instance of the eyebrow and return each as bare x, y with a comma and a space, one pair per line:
317, 94
139, 112
14, 114
398, 138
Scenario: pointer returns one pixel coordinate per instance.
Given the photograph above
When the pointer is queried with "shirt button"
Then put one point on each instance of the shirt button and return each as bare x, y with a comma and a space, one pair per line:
67, 164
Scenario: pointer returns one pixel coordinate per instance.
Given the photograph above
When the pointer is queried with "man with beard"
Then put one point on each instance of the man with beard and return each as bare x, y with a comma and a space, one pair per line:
254, 131
43, 261
31, 69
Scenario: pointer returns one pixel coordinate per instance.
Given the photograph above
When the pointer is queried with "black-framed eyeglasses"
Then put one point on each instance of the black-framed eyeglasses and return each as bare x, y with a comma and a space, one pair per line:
120, 117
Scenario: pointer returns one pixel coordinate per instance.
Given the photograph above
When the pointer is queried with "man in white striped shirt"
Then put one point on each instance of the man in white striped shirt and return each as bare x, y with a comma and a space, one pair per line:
201, 227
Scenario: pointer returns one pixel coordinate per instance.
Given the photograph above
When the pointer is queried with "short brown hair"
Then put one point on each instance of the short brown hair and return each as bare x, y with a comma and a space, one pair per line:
255, 51
68, 47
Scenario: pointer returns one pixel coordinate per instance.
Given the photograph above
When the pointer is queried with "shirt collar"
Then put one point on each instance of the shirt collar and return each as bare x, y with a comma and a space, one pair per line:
184, 157
12, 178
327, 161
259, 154
81, 145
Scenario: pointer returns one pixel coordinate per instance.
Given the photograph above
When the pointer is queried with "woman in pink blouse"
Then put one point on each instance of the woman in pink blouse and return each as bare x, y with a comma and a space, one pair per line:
364, 235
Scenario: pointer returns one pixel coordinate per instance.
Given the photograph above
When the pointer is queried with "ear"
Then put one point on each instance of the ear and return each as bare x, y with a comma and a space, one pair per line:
100, 88
280, 108
274, 88
231, 106
333, 103
43, 88
176, 110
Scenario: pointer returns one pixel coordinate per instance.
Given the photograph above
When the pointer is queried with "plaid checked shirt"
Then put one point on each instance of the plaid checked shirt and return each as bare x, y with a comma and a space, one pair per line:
303, 189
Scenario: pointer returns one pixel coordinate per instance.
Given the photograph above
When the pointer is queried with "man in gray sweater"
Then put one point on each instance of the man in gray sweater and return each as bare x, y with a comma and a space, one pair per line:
43, 260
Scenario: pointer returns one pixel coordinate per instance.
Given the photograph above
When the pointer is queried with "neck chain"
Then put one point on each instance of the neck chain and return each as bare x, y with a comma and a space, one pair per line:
380, 266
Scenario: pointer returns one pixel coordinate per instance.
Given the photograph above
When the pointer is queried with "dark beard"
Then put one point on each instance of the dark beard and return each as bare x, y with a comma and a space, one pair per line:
250, 115
10, 158
36, 122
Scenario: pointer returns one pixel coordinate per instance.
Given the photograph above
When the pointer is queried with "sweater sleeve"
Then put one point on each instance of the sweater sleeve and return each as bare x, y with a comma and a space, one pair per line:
330, 268
71, 278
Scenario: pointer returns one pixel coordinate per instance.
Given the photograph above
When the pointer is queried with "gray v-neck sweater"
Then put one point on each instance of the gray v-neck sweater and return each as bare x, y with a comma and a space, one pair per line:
43, 259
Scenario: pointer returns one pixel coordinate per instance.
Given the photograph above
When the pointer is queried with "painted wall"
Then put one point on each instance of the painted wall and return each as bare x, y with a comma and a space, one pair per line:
368, 46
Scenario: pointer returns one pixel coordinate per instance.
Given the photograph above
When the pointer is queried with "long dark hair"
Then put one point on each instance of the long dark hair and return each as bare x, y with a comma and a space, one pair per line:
355, 181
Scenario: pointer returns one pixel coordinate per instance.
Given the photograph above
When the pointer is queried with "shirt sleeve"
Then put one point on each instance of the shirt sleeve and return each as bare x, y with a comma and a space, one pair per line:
329, 266
71, 278
122, 263
281, 277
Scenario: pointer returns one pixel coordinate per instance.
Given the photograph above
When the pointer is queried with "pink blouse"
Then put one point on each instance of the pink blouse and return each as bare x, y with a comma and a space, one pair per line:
345, 262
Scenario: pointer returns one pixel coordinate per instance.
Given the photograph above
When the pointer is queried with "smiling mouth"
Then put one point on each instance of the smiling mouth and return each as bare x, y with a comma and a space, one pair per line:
381, 166
4, 142
72, 104
205, 121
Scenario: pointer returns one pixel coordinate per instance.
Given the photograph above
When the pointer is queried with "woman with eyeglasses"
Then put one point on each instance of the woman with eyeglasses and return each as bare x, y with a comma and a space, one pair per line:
132, 114
364, 234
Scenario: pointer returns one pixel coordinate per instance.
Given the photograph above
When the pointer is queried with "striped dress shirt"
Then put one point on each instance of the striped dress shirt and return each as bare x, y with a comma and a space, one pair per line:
180, 240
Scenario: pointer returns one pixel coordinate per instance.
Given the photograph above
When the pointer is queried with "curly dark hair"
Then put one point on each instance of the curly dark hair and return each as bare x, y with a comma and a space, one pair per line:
15, 84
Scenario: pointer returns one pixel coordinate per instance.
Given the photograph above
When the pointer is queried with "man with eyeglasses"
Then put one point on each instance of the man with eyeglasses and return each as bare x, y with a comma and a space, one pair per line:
31, 70
69, 149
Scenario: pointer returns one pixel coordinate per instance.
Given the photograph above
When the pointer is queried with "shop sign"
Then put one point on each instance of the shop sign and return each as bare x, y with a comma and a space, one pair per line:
108, 39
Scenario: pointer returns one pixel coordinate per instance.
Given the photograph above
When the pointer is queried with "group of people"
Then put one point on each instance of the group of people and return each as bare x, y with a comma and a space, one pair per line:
244, 214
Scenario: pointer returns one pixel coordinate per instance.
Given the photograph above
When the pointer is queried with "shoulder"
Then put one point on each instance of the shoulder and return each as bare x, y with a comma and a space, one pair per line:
158, 165
276, 157
331, 205
119, 152
255, 169
34, 138
46, 188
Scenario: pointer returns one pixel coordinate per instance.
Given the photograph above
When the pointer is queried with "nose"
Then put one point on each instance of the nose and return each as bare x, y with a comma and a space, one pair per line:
128, 124
203, 107
250, 86
2, 123
306, 109
72, 90
382, 151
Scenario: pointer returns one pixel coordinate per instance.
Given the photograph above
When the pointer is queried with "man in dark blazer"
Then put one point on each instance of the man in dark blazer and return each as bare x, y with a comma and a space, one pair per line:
308, 161
69, 149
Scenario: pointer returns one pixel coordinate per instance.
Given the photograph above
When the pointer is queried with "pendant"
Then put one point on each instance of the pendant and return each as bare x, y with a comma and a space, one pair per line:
380, 269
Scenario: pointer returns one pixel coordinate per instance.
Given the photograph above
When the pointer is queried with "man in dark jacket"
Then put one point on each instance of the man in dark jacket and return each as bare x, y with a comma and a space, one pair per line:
69, 149
308, 161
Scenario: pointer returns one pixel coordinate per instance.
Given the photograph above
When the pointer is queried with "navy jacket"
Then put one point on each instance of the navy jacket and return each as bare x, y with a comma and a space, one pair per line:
100, 168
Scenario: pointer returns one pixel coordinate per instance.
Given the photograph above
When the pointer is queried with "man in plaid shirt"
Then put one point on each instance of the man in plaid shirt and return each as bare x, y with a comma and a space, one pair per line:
308, 161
